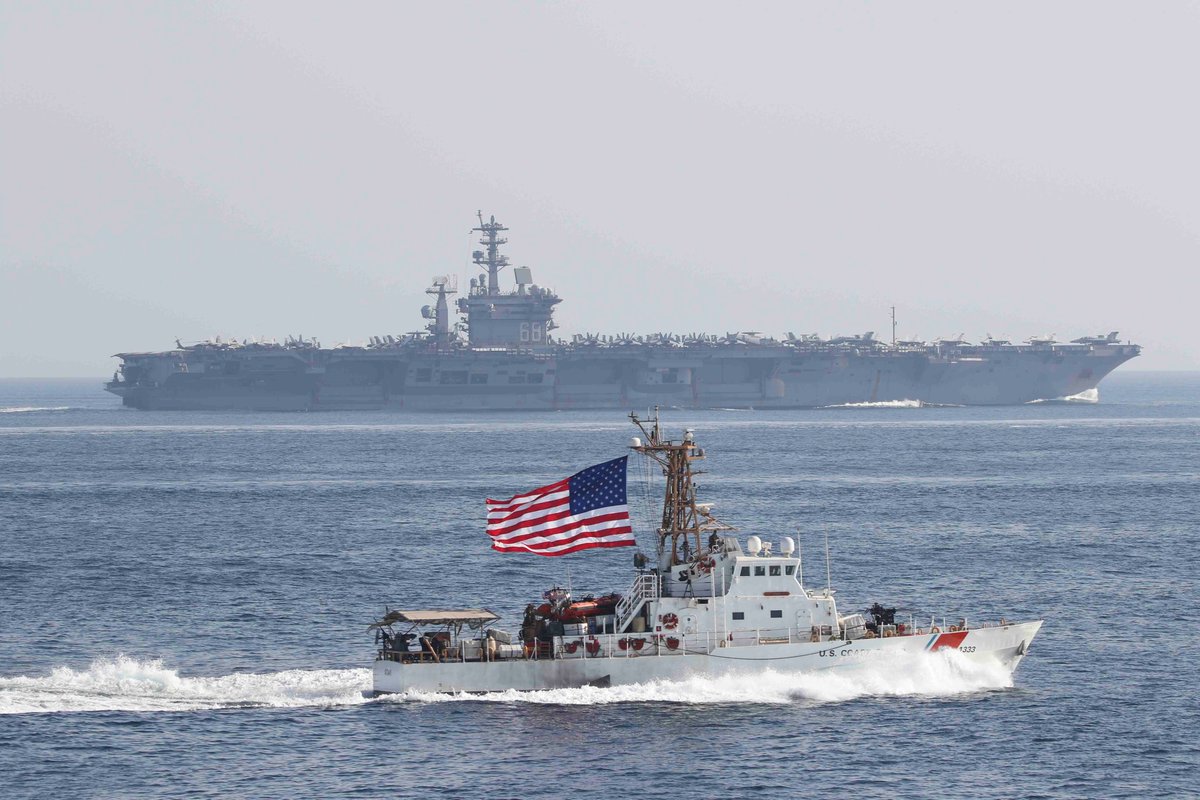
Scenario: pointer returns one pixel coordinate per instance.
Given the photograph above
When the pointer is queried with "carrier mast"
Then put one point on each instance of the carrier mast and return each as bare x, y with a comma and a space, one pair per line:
492, 259
683, 520
439, 316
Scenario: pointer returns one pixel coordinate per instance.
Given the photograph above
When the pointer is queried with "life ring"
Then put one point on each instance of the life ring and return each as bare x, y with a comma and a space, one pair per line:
623, 644
571, 647
705, 566
672, 643
670, 621
638, 644
935, 629
593, 647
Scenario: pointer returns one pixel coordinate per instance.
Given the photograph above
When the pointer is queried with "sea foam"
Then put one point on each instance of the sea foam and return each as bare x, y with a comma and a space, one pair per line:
942, 674
1088, 396
127, 684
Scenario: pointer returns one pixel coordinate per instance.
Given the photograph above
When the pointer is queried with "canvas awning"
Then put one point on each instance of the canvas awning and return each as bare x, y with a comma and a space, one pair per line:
472, 617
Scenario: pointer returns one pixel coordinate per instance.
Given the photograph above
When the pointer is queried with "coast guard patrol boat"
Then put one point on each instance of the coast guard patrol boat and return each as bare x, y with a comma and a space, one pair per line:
709, 604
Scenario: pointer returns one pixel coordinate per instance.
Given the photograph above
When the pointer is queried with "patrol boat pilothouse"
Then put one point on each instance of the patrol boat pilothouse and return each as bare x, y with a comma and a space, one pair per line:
708, 605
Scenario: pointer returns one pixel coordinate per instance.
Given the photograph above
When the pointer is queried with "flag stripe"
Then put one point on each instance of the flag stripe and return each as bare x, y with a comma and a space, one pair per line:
517, 500
615, 521
547, 504
560, 516
556, 527
620, 533
585, 545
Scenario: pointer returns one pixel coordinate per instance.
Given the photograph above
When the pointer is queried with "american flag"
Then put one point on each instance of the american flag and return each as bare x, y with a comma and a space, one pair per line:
588, 509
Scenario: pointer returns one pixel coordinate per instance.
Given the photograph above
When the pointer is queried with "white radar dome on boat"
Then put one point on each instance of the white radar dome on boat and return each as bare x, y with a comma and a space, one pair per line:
635, 442
787, 546
754, 544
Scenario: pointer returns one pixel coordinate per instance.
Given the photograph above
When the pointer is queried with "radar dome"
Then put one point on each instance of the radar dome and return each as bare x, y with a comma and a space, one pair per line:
754, 544
787, 546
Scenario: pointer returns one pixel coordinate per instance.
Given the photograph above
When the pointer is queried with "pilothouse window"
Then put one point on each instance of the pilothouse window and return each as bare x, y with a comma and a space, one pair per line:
739, 615
745, 573
789, 570
760, 571
775, 570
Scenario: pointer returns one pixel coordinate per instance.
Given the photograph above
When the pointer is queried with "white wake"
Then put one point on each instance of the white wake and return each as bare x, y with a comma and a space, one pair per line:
942, 674
126, 684
1086, 396
29, 409
881, 404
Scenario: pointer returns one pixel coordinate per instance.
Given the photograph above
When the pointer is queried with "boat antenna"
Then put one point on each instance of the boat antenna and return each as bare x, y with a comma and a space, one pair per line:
800, 555
828, 580
893, 326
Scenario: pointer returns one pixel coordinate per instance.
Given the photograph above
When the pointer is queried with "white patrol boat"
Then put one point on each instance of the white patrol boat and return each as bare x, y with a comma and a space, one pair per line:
707, 606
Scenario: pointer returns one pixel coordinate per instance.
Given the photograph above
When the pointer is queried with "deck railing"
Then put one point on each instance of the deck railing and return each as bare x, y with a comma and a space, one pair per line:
664, 643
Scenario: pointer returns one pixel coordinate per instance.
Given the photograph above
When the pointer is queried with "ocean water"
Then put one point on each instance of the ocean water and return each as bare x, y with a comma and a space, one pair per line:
184, 598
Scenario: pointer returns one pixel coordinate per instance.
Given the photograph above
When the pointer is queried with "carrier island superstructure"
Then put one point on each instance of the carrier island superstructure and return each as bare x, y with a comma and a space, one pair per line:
501, 354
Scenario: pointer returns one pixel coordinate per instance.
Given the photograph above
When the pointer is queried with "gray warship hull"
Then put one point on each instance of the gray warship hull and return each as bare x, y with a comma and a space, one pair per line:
508, 361
736, 376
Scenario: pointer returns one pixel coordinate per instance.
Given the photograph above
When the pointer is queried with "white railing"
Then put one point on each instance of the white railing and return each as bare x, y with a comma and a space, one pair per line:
666, 643
645, 587
662, 643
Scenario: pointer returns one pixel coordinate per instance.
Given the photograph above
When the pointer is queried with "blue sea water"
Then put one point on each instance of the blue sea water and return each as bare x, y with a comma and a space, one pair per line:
184, 597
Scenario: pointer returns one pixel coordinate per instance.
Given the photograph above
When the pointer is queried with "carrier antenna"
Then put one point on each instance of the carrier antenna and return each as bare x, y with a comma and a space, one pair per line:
491, 259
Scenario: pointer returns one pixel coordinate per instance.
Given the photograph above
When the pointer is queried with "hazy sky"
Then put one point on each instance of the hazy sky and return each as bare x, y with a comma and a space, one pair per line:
184, 170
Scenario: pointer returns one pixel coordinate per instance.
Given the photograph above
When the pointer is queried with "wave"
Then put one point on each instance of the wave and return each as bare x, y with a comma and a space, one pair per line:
1086, 396
127, 684
30, 409
942, 674
883, 404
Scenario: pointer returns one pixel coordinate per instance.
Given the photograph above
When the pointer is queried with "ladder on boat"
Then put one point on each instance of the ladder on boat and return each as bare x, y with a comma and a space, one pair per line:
645, 587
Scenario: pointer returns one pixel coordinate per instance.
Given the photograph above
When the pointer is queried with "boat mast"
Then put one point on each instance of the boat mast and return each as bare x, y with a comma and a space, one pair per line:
682, 520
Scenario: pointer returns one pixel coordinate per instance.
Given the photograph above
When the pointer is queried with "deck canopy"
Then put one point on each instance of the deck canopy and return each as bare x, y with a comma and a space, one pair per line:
471, 617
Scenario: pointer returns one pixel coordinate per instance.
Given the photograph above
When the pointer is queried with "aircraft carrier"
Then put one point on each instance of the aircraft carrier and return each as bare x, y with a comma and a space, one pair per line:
501, 354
